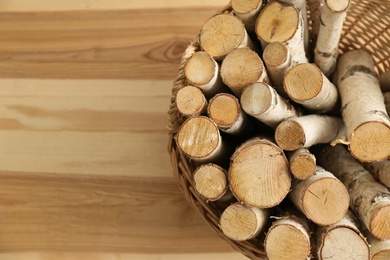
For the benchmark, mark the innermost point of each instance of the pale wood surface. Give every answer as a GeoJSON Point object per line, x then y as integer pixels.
{"type": "Point", "coordinates": [84, 90]}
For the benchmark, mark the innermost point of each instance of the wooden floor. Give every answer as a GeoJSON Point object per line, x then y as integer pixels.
{"type": "Point", "coordinates": [84, 90]}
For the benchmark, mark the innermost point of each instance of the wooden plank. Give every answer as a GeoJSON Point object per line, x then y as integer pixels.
{"type": "Point", "coordinates": [120, 44]}
{"type": "Point", "coordinates": [71, 5]}
{"type": "Point", "coordinates": [99, 214]}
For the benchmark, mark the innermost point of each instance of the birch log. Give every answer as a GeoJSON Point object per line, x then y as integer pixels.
{"type": "Point", "coordinates": [211, 182]}
{"type": "Point", "coordinates": [387, 102]}
{"type": "Point", "coordinates": [322, 197]}
{"type": "Point", "coordinates": [342, 240]}
{"type": "Point", "coordinates": [247, 11]}
{"type": "Point", "coordinates": [315, 11]}
{"type": "Point", "coordinates": [302, 163]}
{"type": "Point", "coordinates": [370, 200]}
{"type": "Point", "coordinates": [199, 139]}
{"type": "Point", "coordinates": [223, 33]}
{"type": "Point", "coordinates": [363, 108]}
{"type": "Point", "coordinates": [225, 110]}
{"type": "Point", "coordinates": [203, 71]}
{"type": "Point", "coordinates": [259, 174]}
{"type": "Point", "coordinates": [262, 102]}
{"type": "Point", "coordinates": [307, 85]}
{"type": "Point", "coordinates": [190, 101]}
{"type": "Point", "coordinates": [241, 68]}
{"type": "Point", "coordinates": [288, 238]}
{"type": "Point", "coordinates": [306, 131]}
{"type": "Point", "coordinates": [326, 52]}
{"type": "Point", "coordinates": [301, 5]}
{"type": "Point", "coordinates": [240, 222]}
{"type": "Point", "coordinates": [380, 170]}
{"type": "Point", "coordinates": [384, 80]}
{"type": "Point", "coordinates": [380, 249]}
{"type": "Point", "coordinates": [277, 59]}
{"type": "Point", "coordinates": [283, 23]}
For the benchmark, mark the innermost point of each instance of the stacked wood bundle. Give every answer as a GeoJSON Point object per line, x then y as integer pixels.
{"type": "Point", "coordinates": [327, 195]}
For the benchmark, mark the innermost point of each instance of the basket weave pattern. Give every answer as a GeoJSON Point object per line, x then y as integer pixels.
{"type": "Point", "coordinates": [367, 26]}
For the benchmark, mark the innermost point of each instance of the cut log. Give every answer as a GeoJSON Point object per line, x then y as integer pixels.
{"type": "Point", "coordinates": [283, 23]}
{"type": "Point", "coordinates": [241, 68]}
{"type": "Point", "coordinates": [307, 85]}
{"type": "Point", "coordinates": [199, 139]}
{"type": "Point", "coordinates": [211, 182]}
{"type": "Point", "coordinates": [363, 108]}
{"type": "Point", "coordinates": [262, 102]}
{"type": "Point", "coordinates": [277, 59]}
{"type": "Point", "coordinates": [384, 80]}
{"type": "Point", "coordinates": [342, 240]}
{"type": "Point", "coordinates": [326, 52]}
{"type": "Point", "coordinates": [322, 197]}
{"type": "Point", "coordinates": [247, 11]}
{"type": "Point", "coordinates": [380, 170]}
{"type": "Point", "coordinates": [306, 131]}
{"type": "Point", "coordinates": [302, 163]}
{"type": "Point", "coordinates": [315, 11]}
{"type": "Point", "coordinates": [380, 249]}
{"type": "Point", "coordinates": [225, 110]}
{"type": "Point", "coordinates": [240, 222]}
{"type": "Point", "coordinates": [223, 33]}
{"type": "Point", "coordinates": [203, 71]}
{"type": "Point", "coordinates": [387, 102]}
{"type": "Point", "coordinates": [370, 200]}
{"type": "Point", "coordinates": [259, 175]}
{"type": "Point", "coordinates": [288, 238]}
{"type": "Point", "coordinates": [190, 101]}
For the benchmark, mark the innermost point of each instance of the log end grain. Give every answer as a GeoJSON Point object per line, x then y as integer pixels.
{"type": "Point", "coordinates": [200, 69]}
{"type": "Point", "coordinates": [338, 5]}
{"type": "Point", "coordinates": [382, 255]}
{"type": "Point", "coordinates": [290, 135]}
{"type": "Point", "coordinates": [277, 23]}
{"type": "Point", "coordinates": [303, 165]}
{"type": "Point", "coordinates": [275, 54]}
{"type": "Point", "coordinates": [303, 82]}
{"type": "Point", "coordinates": [343, 243]}
{"type": "Point", "coordinates": [371, 142]}
{"type": "Point", "coordinates": [199, 138]}
{"type": "Point", "coordinates": [285, 242]}
{"type": "Point", "coordinates": [380, 222]}
{"type": "Point", "coordinates": [245, 6]}
{"type": "Point", "coordinates": [190, 101]}
{"type": "Point", "coordinates": [210, 181]}
{"type": "Point", "coordinates": [221, 34]}
{"type": "Point", "coordinates": [256, 99]}
{"type": "Point", "coordinates": [325, 201]}
{"type": "Point", "coordinates": [224, 110]}
{"type": "Point", "coordinates": [239, 222]}
{"type": "Point", "coordinates": [241, 68]}
{"type": "Point", "coordinates": [259, 175]}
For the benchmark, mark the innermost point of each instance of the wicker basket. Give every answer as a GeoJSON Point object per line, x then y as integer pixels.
{"type": "Point", "coordinates": [367, 26]}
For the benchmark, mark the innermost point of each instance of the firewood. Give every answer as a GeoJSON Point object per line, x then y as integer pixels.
{"type": "Point", "coordinates": [288, 238]}
{"type": "Point", "coordinates": [225, 110]}
{"type": "Point", "coordinates": [315, 11]}
{"type": "Point", "coordinates": [240, 222]}
{"type": "Point", "coordinates": [302, 163]}
{"type": "Point", "coordinates": [190, 101]}
{"type": "Point", "coordinates": [223, 33]}
{"type": "Point", "coordinates": [241, 68]}
{"type": "Point", "coordinates": [326, 52]}
{"type": "Point", "coordinates": [200, 140]}
{"type": "Point", "coordinates": [322, 197]}
{"type": "Point", "coordinates": [384, 80]}
{"type": "Point", "coordinates": [203, 71]}
{"type": "Point", "coordinates": [247, 11]}
{"type": "Point", "coordinates": [387, 102]}
{"type": "Point", "coordinates": [306, 131]}
{"type": "Point", "coordinates": [283, 23]}
{"type": "Point", "coordinates": [259, 174]}
{"type": "Point", "coordinates": [380, 249]}
{"type": "Point", "coordinates": [307, 85]}
{"type": "Point", "coordinates": [363, 108]}
{"type": "Point", "coordinates": [277, 59]}
{"type": "Point", "coordinates": [211, 182]}
{"type": "Point", "coordinates": [380, 170]}
{"type": "Point", "coordinates": [370, 200]}
{"type": "Point", "coordinates": [262, 102]}
{"type": "Point", "coordinates": [342, 240]}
